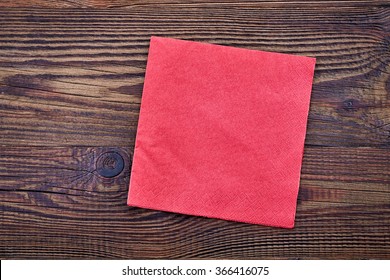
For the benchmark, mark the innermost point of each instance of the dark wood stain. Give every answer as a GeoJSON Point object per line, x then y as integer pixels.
{"type": "Point", "coordinates": [71, 79]}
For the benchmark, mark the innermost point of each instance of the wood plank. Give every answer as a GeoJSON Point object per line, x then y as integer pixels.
{"type": "Point", "coordinates": [54, 204]}
{"type": "Point", "coordinates": [73, 77]}
{"type": "Point", "coordinates": [131, 3]}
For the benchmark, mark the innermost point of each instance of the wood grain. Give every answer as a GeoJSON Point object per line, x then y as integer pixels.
{"type": "Point", "coordinates": [62, 208]}
{"type": "Point", "coordinates": [202, 3]}
{"type": "Point", "coordinates": [77, 74]}
{"type": "Point", "coordinates": [70, 89]}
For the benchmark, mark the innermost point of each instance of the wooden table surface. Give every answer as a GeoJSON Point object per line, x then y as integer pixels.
{"type": "Point", "coordinates": [71, 78]}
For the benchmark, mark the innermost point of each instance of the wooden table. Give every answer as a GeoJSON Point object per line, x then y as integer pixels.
{"type": "Point", "coordinates": [71, 77]}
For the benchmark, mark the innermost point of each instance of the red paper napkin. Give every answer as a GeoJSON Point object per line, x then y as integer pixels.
{"type": "Point", "coordinates": [221, 132]}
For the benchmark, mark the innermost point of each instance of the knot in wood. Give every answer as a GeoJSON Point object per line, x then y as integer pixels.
{"type": "Point", "coordinates": [109, 164]}
{"type": "Point", "coordinates": [351, 105]}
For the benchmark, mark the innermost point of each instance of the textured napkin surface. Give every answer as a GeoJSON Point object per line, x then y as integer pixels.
{"type": "Point", "coordinates": [221, 132]}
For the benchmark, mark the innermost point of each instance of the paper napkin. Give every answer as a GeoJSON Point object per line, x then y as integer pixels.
{"type": "Point", "coordinates": [221, 132]}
